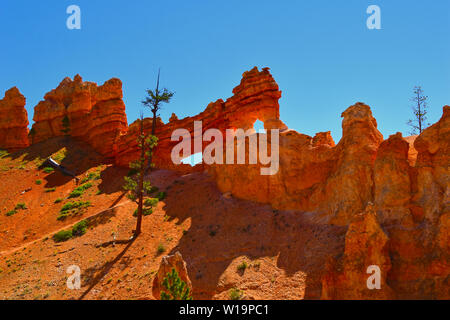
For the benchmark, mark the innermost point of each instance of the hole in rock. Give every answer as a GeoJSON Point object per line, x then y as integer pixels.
{"type": "Point", "coordinates": [193, 159]}
{"type": "Point", "coordinates": [259, 127]}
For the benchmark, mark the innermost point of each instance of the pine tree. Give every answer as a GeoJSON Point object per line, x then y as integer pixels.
{"type": "Point", "coordinates": [134, 183]}
{"type": "Point", "coordinates": [154, 100]}
{"type": "Point", "coordinates": [175, 288]}
{"type": "Point", "coordinates": [65, 125]}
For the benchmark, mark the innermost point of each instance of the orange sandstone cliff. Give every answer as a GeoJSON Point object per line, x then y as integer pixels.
{"type": "Point", "coordinates": [95, 114]}
{"type": "Point", "coordinates": [255, 98]}
{"type": "Point", "coordinates": [393, 194]}
{"type": "Point", "coordinates": [13, 121]}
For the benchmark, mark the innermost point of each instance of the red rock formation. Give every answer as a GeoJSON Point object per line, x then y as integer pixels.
{"type": "Point", "coordinates": [96, 114]}
{"type": "Point", "coordinates": [13, 121]}
{"type": "Point", "coordinates": [255, 98]}
{"type": "Point", "coordinates": [366, 245]}
{"type": "Point", "coordinates": [315, 175]}
{"type": "Point", "coordinates": [167, 264]}
{"type": "Point", "coordinates": [407, 179]}
{"type": "Point", "coordinates": [412, 203]}
{"type": "Point", "coordinates": [418, 226]}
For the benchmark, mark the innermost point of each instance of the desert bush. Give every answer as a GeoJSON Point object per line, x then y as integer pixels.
{"type": "Point", "coordinates": [80, 228]}
{"type": "Point", "coordinates": [62, 236]}
{"type": "Point", "coordinates": [48, 170]}
{"type": "Point", "coordinates": [91, 177]}
{"type": "Point", "coordinates": [20, 206]}
{"type": "Point", "coordinates": [38, 182]}
{"type": "Point", "coordinates": [242, 266]}
{"type": "Point", "coordinates": [78, 192]}
{"type": "Point", "coordinates": [145, 212]}
{"type": "Point", "coordinates": [77, 230]}
{"type": "Point", "coordinates": [161, 249]}
{"type": "Point", "coordinates": [11, 213]}
{"type": "Point", "coordinates": [161, 195]}
{"type": "Point", "coordinates": [151, 202]}
{"type": "Point", "coordinates": [4, 153]}
{"type": "Point", "coordinates": [72, 208]}
{"type": "Point", "coordinates": [60, 155]}
{"type": "Point", "coordinates": [235, 294]}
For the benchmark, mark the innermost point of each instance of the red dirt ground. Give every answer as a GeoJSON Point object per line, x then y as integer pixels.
{"type": "Point", "coordinates": [284, 251]}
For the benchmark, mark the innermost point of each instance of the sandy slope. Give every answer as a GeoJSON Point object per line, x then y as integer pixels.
{"type": "Point", "coordinates": [285, 251]}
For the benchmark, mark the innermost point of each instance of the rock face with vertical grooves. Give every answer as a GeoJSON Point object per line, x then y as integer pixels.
{"type": "Point", "coordinates": [95, 114]}
{"type": "Point", "coordinates": [366, 254]}
{"type": "Point", "coordinates": [13, 121]}
{"type": "Point", "coordinates": [255, 98]}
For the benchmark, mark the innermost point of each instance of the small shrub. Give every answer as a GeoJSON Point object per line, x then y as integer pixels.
{"type": "Point", "coordinates": [48, 169]}
{"type": "Point", "coordinates": [161, 195]}
{"type": "Point", "coordinates": [75, 194]}
{"type": "Point", "coordinates": [58, 200]}
{"type": "Point", "coordinates": [72, 208]}
{"type": "Point", "coordinates": [62, 216]}
{"type": "Point", "coordinates": [161, 249]}
{"type": "Point", "coordinates": [151, 202]}
{"type": "Point", "coordinates": [145, 212]}
{"type": "Point", "coordinates": [91, 176]}
{"type": "Point", "coordinates": [80, 228]}
{"type": "Point", "coordinates": [38, 182]}
{"type": "Point", "coordinates": [60, 155]}
{"type": "Point", "coordinates": [3, 153]}
{"type": "Point", "coordinates": [235, 294]}
{"type": "Point", "coordinates": [50, 190]}
{"type": "Point", "coordinates": [78, 192]}
{"type": "Point", "coordinates": [20, 206]}
{"type": "Point", "coordinates": [242, 266]}
{"type": "Point", "coordinates": [11, 213]}
{"type": "Point", "coordinates": [62, 236]}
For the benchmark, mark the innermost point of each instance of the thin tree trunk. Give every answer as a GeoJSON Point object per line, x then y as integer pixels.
{"type": "Point", "coordinates": [420, 113]}
{"type": "Point", "coordinates": [141, 183]}
{"type": "Point", "coordinates": [154, 121]}
{"type": "Point", "coordinates": [150, 158]}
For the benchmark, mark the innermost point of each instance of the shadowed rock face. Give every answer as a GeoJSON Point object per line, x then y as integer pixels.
{"type": "Point", "coordinates": [366, 245]}
{"type": "Point", "coordinates": [13, 121]}
{"type": "Point", "coordinates": [405, 231]}
{"type": "Point", "coordinates": [96, 114]}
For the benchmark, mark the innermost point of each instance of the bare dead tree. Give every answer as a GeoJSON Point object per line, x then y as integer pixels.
{"type": "Point", "coordinates": [420, 110]}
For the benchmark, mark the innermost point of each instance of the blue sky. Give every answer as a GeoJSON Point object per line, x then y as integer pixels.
{"type": "Point", "coordinates": [320, 52]}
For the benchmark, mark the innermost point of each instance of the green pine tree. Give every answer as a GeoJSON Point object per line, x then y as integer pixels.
{"type": "Point", "coordinates": [134, 183]}
{"type": "Point", "coordinates": [65, 125]}
{"type": "Point", "coordinates": [175, 288]}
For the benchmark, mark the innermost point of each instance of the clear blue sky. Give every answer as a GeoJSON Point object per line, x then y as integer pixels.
{"type": "Point", "coordinates": [320, 52]}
